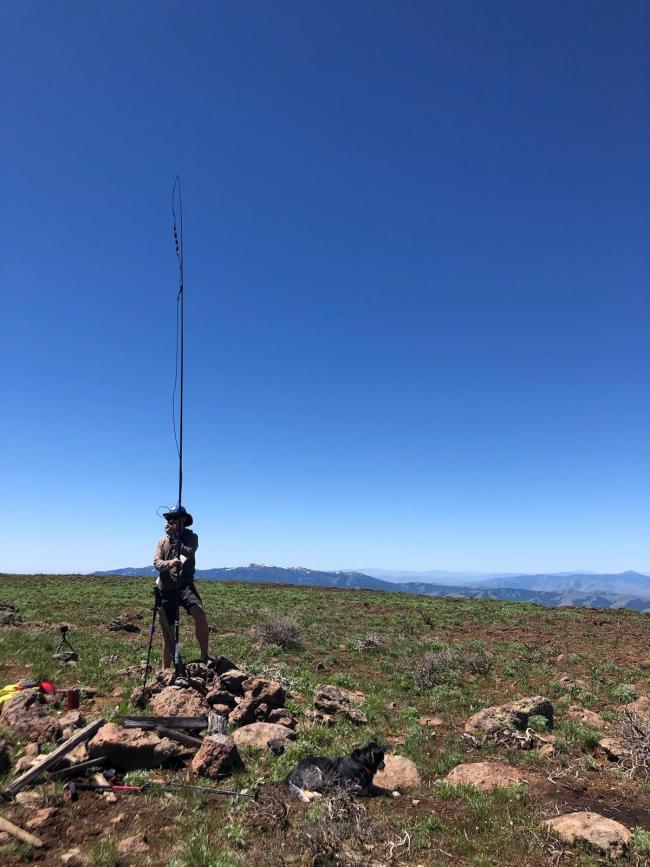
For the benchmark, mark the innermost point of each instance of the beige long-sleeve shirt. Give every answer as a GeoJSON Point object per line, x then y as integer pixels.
{"type": "Point", "coordinates": [165, 554]}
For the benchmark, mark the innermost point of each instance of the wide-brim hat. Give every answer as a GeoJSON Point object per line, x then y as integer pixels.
{"type": "Point", "coordinates": [179, 513]}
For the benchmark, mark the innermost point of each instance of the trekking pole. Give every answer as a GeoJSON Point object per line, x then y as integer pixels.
{"type": "Point", "coordinates": [156, 602]}
{"type": "Point", "coordinates": [73, 788]}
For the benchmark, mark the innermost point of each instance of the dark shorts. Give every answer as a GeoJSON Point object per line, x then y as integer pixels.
{"type": "Point", "coordinates": [189, 597]}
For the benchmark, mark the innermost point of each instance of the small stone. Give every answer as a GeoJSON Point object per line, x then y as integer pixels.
{"type": "Point", "coordinates": [23, 764]}
{"type": "Point", "coordinates": [117, 819]}
{"type": "Point", "coordinates": [317, 716]}
{"type": "Point", "coordinates": [74, 858]}
{"type": "Point", "coordinates": [608, 836]}
{"type": "Point", "coordinates": [41, 818]}
{"type": "Point", "coordinates": [30, 799]}
{"type": "Point", "coordinates": [135, 845]}
{"type": "Point", "coordinates": [431, 722]}
{"type": "Point", "coordinates": [568, 681]}
{"type": "Point", "coordinates": [31, 750]}
{"type": "Point", "coordinates": [283, 717]}
{"type": "Point", "coordinates": [73, 719]}
{"type": "Point", "coordinates": [78, 754]}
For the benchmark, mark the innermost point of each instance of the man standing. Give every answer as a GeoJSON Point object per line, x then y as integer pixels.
{"type": "Point", "coordinates": [176, 565]}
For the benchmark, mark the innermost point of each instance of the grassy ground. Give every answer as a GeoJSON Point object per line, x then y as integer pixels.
{"type": "Point", "coordinates": [448, 657]}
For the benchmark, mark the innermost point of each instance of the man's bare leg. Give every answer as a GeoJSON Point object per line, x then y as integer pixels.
{"type": "Point", "coordinates": [168, 639]}
{"type": "Point", "coordinates": [201, 629]}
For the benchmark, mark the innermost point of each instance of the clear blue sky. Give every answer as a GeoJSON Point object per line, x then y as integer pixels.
{"type": "Point", "coordinates": [417, 268]}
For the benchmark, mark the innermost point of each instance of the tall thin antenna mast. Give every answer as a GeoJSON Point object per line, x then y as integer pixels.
{"type": "Point", "coordinates": [178, 240]}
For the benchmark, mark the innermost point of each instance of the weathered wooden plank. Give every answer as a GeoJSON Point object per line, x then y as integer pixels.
{"type": "Point", "coordinates": [181, 737]}
{"type": "Point", "coordinates": [79, 768]}
{"type": "Point", "coordinates": [51, 759]}
{"type": "Point", "coordinates": [15, 831]}
{"type": "Point", "coordinates": [170, 722]}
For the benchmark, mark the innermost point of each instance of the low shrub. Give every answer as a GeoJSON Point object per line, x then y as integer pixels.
{"type": "Point", "coordinates": [275, 629]}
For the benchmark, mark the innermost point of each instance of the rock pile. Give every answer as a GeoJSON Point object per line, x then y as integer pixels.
{"type": "Point", "coordinates": [219, 686]}
{"type": "Point", "coordinates": [213, 692]}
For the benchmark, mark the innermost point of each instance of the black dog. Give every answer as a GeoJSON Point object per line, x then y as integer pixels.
{"type": "Point", "coordinates": [317, 774]}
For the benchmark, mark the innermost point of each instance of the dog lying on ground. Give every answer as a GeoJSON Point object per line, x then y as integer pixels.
{"type": "Point", "coordinates": [315, 775]}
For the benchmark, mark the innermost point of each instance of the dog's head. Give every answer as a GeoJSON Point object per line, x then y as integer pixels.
{"type": "Point", "coordinates": [372, 756]}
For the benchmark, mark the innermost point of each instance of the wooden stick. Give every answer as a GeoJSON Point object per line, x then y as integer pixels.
{"type": "Point", "coordinates": [170, 722]}
{"type": "Point", "coordinates": [15, 831]}
{"type": "Point", "coordinates": [79, 768]}
{"type": "Point", "coordinates": [50, 759]}
{"type": "Point", "coordinates": [181, 737]}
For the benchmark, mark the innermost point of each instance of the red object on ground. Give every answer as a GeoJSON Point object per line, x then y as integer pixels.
{"type": "Point", "coordinates": [48, 687]}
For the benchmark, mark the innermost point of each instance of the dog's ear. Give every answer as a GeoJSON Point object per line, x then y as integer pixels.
{"type": "Point", "coordinates": [358, 754]}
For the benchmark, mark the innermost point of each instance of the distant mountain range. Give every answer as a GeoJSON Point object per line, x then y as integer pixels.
{"type": "Point", "coordinates": [624, 590]}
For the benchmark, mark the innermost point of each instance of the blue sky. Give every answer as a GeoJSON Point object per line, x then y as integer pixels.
{"type": "Point", "coordinates": [416, 269]}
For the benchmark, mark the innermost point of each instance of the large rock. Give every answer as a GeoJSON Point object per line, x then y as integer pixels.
{"type": "Point", "coordinates": [233, 680]}
{"type": "Point", "coordinates": [331, 699]}
{"type": "Point", "coordinates": [265, 691]}
{"type": "Point", "coordinates": [26, 715]}
{"type": "Point", "coordinates": [587, 718]}
{"type": "Point", "coordinates": [514, 715]}
{"type": "Point", "coordinates": [640, 708]}
{"type": "Point", "coordinates": [244, 712]}
{"type": "Point", "coordinates": [216, 757]}
{"type": "Point", "coordinates": [399, 773]}
{"type": "Point", "coordinates": [179, 702]}
{"type": "Point", "coordinates": [220, 697]}
{"type": "Point", "coordinates": [615, 749]}
{"type": "Point", "coordinates": [608, 836]}
{"type": "Point", "coordinates": [131, 749]}
{"type": "Point", "coordinates": [485, 776]}
{"type": "Point", "coordinates": [263, 735]}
